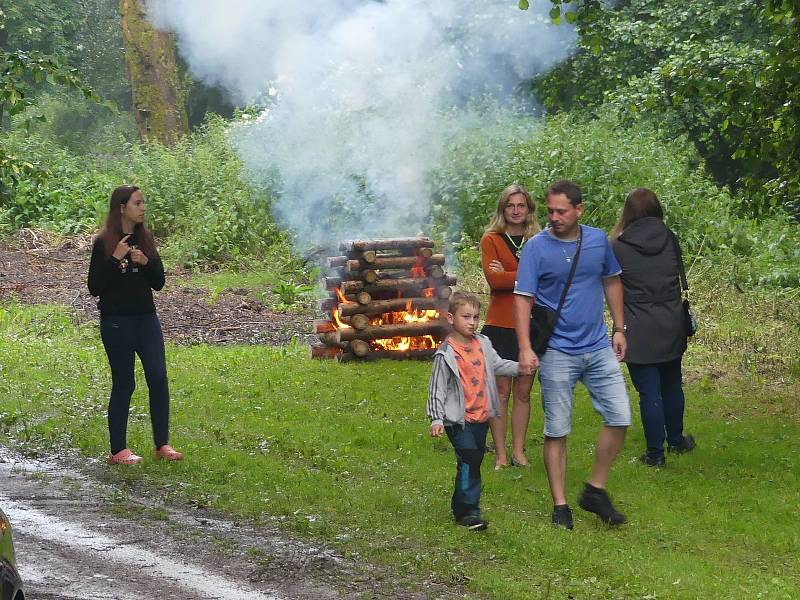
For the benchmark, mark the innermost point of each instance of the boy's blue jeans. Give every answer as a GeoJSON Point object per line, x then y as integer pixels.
{"type": "Point", "coordinates": [469, 443]}
{"type": "Point", "coordinates": [661, 403]}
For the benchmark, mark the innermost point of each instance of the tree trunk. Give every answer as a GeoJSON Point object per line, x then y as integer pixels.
{"type": "Point", "coordinates": [158, 102]}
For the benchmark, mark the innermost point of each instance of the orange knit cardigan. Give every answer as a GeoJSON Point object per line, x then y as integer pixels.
{"type": "Point", "coordinates": [501, 303]}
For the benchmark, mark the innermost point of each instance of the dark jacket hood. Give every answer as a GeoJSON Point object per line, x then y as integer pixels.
{"type": "Point", "coordinates": [647, 236]}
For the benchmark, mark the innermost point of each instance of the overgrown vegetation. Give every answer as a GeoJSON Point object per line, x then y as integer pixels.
{"type": "Point", "coordinates": [727, 74]}
{"type": "Point", "coordinates": [608, 158]}
{"type": "Point", "coordinates": [198, 202]}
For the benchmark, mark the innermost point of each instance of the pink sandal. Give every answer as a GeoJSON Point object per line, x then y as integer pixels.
{"type": "Point", "coordinates": [124, 457]}
{"type": "Point", "coordinates": [167, 452]}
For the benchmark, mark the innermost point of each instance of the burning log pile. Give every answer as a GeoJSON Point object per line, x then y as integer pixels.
{"type": "Point", "coordinates": [387, 299]}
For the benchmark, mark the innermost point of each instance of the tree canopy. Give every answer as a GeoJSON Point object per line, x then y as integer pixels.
{"type": "Point", "coordinates": [727, 74]}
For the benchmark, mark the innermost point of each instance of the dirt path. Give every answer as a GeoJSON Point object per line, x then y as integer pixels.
{"type": "Point", "coordinates": [34, 271]}
{"type": "Point", "coordinates": [79, 539]}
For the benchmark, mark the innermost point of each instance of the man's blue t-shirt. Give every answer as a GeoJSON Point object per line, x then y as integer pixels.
{"type": "Point", "coordinates": [544, 266]}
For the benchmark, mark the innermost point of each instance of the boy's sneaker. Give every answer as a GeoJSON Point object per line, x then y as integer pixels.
{"type": "Point", "coordinates": [562, 516]}
{"type": "Point", "coordinates": [687, 444]}
{"type": "Point", "coordinates": [648, 460]}
{"type": "Point", "coordinates": [473, 523]}
{"type": "Point", "coordinates": [596, 500]}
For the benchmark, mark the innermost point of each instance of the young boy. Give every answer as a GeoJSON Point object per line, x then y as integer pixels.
{"type": "Point", "coordinates": [462, 395]}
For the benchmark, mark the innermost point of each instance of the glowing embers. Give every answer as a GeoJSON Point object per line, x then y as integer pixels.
{"type": "Point", "coordinates": [387, 299]}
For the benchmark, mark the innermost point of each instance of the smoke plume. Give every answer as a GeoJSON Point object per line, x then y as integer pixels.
{"type": "Point", "coordinates": [363, 96]}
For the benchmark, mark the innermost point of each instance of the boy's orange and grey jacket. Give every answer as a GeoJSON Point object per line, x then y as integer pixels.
{"type": "Point", "coordinates": [446, 405]}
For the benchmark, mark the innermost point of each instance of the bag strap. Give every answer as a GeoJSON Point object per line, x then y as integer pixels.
{"type": "Point", "coordinates": [681, 271]}
{"type": "Point", "coordinates": [571, 273]}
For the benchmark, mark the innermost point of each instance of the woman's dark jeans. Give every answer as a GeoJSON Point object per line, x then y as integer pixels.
{"type": "Point", "coordinates": [661, 404]}
{"type": "Point", "coordinates": [123, 338]}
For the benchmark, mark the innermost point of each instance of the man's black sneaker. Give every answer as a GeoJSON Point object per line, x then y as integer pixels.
{"type": "Point", "coordinates": [562, 517]}
{"type": "Point", "coordinates": [473, 523]}
{"type": "Point", "coordinates": [596, 500]}
{"type": "Point", "coordinates": [648, 460]}
{"type": "Point", "coordinates": [687, 444]}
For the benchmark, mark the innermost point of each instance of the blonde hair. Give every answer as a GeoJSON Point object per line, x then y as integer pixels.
{"type": "Point", "coordinates": [498, 223]}
{"type": "Point", "coordinates": [463, 299]}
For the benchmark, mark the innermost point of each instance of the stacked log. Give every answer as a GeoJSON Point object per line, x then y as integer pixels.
{"type": "Point", "coordinates": [386, 299]}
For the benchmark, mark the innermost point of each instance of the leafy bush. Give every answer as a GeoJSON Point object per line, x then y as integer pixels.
{"type": "Point", "coordinates": [66, 196]}
{"type": "Point", "coordinates": [197, 201]}
{"type": "Point", "coordinates": [608, 158]}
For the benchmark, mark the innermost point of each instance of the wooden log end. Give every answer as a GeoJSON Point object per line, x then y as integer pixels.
{"type": "Point", "coordinates": [323, 352]}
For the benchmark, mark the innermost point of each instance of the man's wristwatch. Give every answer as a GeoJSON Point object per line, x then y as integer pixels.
{"type": "Point", "coordinates": [622, 329]}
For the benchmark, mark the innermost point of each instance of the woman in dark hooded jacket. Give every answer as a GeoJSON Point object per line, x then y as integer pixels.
{"type": "Point", "coordinates": [656, 330]}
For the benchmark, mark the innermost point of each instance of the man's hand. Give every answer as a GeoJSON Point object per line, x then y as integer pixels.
{"type": "Point", "coordinates": [620, 345]}
{"type": "Point", "coordinates": [437, 430]}
{"type": "Point", "coordinates": [528, 362]}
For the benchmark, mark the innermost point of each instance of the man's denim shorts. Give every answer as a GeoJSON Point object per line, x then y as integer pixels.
{"type": "Point", "coordinates": [601, 374]}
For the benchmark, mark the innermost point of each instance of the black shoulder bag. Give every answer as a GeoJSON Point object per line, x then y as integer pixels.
{"type": "Point", "coordinates": [689, 319]}
{"type": "Point", "coordinates": [543, 319]}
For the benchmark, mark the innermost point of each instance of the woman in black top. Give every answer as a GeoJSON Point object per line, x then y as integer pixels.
{"type": "Point", "coordinates": [656, 332]}
{"type": "Point", "coordinates": [124, 270]}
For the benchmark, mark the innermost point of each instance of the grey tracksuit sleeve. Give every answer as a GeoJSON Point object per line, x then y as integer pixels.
{"type": "Point", "coordinates": [437, 390]}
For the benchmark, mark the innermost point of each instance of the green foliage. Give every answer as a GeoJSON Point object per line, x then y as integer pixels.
{"type": "Point", "coordinates": [82, 126]}
{"type": "Point", "coordinates": [291, 294]}
{"type": "Point", "coordinates": [21, 72]}
{"type": "Point", "coordinates": [725, 73]}
{"type": "Point", "coordinates": [198, 200]}
{"type": "Point", "coordinates": [608, 158]}
{"type": "Point", "coordinates": [66, 196]}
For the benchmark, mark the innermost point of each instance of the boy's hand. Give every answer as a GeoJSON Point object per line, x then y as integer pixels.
{"type": "Point", "coordinates": [437, 430]}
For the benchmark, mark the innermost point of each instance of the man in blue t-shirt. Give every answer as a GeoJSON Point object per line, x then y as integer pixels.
{"type": "Point", "coordinates": [579, 349]}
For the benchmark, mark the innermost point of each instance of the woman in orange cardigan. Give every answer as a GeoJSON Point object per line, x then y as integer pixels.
{"type": "Point", "coordinates": [513, 222]}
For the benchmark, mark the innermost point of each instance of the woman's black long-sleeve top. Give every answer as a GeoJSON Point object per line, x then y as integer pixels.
{"type": "Point", "coordinates": [124, 291]}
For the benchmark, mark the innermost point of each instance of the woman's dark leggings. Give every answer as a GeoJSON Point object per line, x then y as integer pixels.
{"type": "Point", "coordinates": [124, 336]}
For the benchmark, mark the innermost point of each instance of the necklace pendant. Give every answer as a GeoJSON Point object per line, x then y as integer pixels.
{"type": "Point", "coordinates": [569, 260]}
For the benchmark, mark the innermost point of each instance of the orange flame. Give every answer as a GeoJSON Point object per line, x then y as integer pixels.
{"type": "Point", "coordinates": [418, 270]}
{"type": "Point", "coordinates": [335, 311]}
{"type": "Point", "coordinates": [423, 342]}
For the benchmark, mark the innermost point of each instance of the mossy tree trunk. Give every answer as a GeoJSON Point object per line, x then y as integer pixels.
{"type": "Point", "coordinates": [158, 102]}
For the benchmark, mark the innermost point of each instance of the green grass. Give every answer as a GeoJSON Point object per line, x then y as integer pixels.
{"type": "Point", "coordinates": [340, 452]}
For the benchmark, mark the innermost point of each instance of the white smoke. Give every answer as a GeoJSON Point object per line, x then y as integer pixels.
{"type": "Point", "coordinates": [361, 89]}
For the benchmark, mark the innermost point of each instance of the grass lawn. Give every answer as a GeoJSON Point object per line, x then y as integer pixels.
{"type": "Point", "coordinates": [340, 452]}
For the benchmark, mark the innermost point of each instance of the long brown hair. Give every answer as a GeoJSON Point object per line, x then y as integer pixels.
{"type": "Point", "coordinates": [641, 202]}
{"type": "Point", "coordinates": [112, 233]}
{"type": "Point", "coordinates": [498, 223]}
